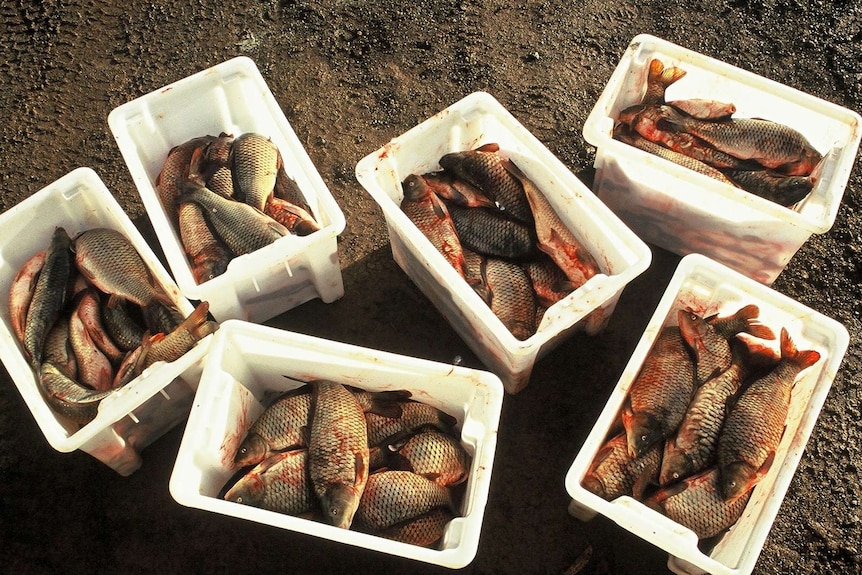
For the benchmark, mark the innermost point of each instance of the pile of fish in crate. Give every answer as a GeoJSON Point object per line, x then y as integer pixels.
{"type": "Point", "coordinates": [694, 449]}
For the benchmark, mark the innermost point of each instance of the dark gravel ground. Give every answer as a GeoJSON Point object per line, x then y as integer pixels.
{"type": "Point", "coordinates": [350, 75]}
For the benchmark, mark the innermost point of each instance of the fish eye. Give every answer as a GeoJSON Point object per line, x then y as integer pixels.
{"type": "Point", "coordinates": [333, 511]}
{"type": "Point", "coordinates": [243, 450]}
{"type": "Point", "coordinates": [239, 499]}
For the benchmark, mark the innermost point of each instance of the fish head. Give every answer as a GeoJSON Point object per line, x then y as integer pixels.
{"type": "Point", "coordinates": [415, 188]}
{"type": "Point", "coordinates": [642, 431]}
{"type": "Point", "coordinates": [674, 466]}
{"type": "Point", "coordinates": [339, 503]}
{"type": "Point", "coordinates": [248, 491]}
{"type": "Point", "coordinates": [736, 480]}
{"type": "Point", "coordinates": [251, 451]}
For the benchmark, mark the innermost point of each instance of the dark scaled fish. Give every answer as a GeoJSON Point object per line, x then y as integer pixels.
{"type": "Point", "coordinates": [280, 483]}
{"type": "Point", "coordinates": [49, 295]}
{"type": "Point", "coordinates": [287, 189]}
{"type": "Point", "coordinates": [779, 188]}
{"type": "Point", "coordinates": [208, 257]}
{"type": "Point", "coordinates": [614, 473]}
{"type": "Point", "coordinates": [21, 293]}
{"type": "Point", "coordinates": [338, 451]}
{"type": "Point", "coordinates": [424, 530]}
{"type": "Point", "coordinates": [392, 497]}
{"type": "Point", "coordinates": [437, 456]}
{"type": "Point", "coordinates": [254, 163]}
{"type": "Point", "coordinates": [457, 191]}
{"type": "Point", "coordinates": [549, 282]}
{"type": "Point", "coordinates": [281, 426]}
{"type": "Point", "coordinates": [490, 232]}
{"type": "Point", "coordinates": [242, 227]}
{"type": "Point", "coordinates": [769, 143]}
{"type": "Point", "coordinates": [89, 311]}
{"type": "Point", "coordinates": [696, 503]}
{"type": "Point", "coordinates": [512, 298]}
{"type": "Point", "coordinates": [473, 264]}
{"type": "Point", "coordinates": [694, 447]}
{"type": "Point", "coordinates": [110, 262]}
{"type": "Point", "coordinates": [755, 423]}
{"type": "Point", "coordinates": [659, 78]}
{"type": "Point", "coordinates": [175, 171]}
{"type": "Point", "coordinates": [433, 219]}
{"type": "Point", "coordinates": [414, 416]}
{"type": "Point", "coordinates": [123, 329]}
{"type": "Point", "coordinates": [487, 170]}
{"type": "Point", "coordinates": [68, 397]}
{"type": "Point", "coordinates": [58, 348]}
{"type": "Point", "coordinates": [660, 393]}
{"type": "Point", "coordinates": [554, 238]}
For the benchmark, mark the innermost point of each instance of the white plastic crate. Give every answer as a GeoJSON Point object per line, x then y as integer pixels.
{"type": "Point", "coordinates": [475, 120]}
{"type": "Point", "coordinates": [708, 287]}
{"type": "Point", "coordinates": [245, 368]}
{"type": "Point", "coordinates": [233, 97]}
{"type": "Point", "coordinates": [135, 415]}
{"type": "Point", "coordinates": [687, 212]}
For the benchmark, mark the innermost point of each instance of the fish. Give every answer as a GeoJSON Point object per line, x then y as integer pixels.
{"type": "Point", "coordinates": [282, 426]}
{"type": "Point", "coordinates": [172, 346]}
{"type": "Point", "coordinates": [614, 472]}
{"type": "Point", "coordinates": [89, 311]}
{"type": "Point", "coordinates": [220, 182]}
{"type": "Point", "coordinates": [486, 169]}
{"type": "Point", "coordinates": [415, 415]}
{"type": "Point", "coordinates": [745, 319]}
{"type": "Point", "coordinates": [512, 298]}
{"type": "Point", "coordinates": [704, 109]}
{"type": "Point", "coordinates": [243, 228]}
{"type": "Point", "coordinates": [659, 78]}
{"type": "Point", "coordinates": [208, 257]}
{"type": "Point", "coordinates": [392, 497]}
{"type": "Point", "coordinates": [457, 191]}
{"type": "Point", "coordinates": [431, 216]}
{"type": "Point", "coordinates": [338, 451]}
{"type": "Point", "coordinates": [279, 483]}
{"type": "Point", "coordinates": [437, 456]}
{"type": "Point", "coordinates": [771, 144]}
{"type": "Point", "coordinates": [218, 151]}
{"type": "Point", "coordinates": [756, 421]}
{"type": "Point", "coordinates": [94, 368]}
{"type": "Point", "coordinates": [697, 504]}
{"type": "Point", "coordinates": [132, 364]}
{"type": "Point", "coordinates": [555, 238]}
{"type": "Point", "coordinates": [473, 264]}
{"type": "Point", "coordinates": [694, 447]}
{"type": "Point", "coordinates": [49, 295]}
{"type": "Point", "coordinates": [21, 292]}
{"type": "Point", "coordinates": [775, 187]}
{"type": "Point", "coordinates": [122, 328]}
{"type": "Point", "coordinates": [650, 123]}
{"type": "Point", "coordinates": [287, 189]}
{"type": "Point", "coordinates": [424, 530]}
{"type": "Point", "coordinates": [632, 138]}
{"type": "Point", "coordinates": [68, 397]}
{"type": "Point", "coordinates": [175, 171]}
{"type": "Point", "coordinates": [491, 233]}
{"type": "Point", "coordinates": [111, 263]}
{"type": "Point", "coordinates": [58, 348]}
{"type": "Point", "coordinates": [296, 219]}
{"type": "Point", "coordinates": [660, 393]}
{"type": "Point", "coordinates": [254, 164]}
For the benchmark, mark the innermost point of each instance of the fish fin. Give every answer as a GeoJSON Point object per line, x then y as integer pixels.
{"type": "Point", "coordinates": [440, 209]}
{"type": "Point", "coordinates": [669, 491]}
{"type": "Point", "coordinates": [399, 463]}
{"type": "Point", "coordinates": [489, 147]}
{"type": "Point", "coordinates": [767, 465]}
{"type": "Point", "coordinates": [641, 484]}
{"type": "Point", "coordinates": [789, 352]}
{"type": "Point", "coordinates": [360, 466]}
{"type": "Point", "coordinates": [759, 330]}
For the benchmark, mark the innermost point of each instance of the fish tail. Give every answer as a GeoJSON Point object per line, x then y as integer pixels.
{"type": "Point", "coordinates": [196, 323]}
{"type": "Point", "coordinates": [789, 352]}
{"type": "Point", "coordinates": [749, 314]}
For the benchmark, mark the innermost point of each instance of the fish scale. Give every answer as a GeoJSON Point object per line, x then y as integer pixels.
{"type": "Point", "coordinates": [392, 497]}
{"type": "Point", "coordinates": [434, 455]}
{"type": "Point", "coordinates": [756, 422]}
{"type": "Point", "coordinates": [697, 504]}
{"type": "Point", "coordinates": [512, 297]}
{"type": "Point", "coordinates": [207, 256]}
{"type": "Point", "coordinates": [660, 393]}
{"type": "Point", "coordinates": [254, 161]}
{"type": "Point", "coordinates": [414, 416]}
{"type": "Point", "coordinates": [491, 233]}
{"type": "Point", "coordinates": [484, 168]}
{"type": "Point", "coordinates": [110, 262]}
{"type": "Point", "coordinates": [279, 427]}
{"type": "Point", "coordinates": [280, 483]}
{"type": "Point", "coordinates": [175, 171]}
{"type": "Point", "coordinates": [614, 473]}
{"type": "Point", "coordinates": [68, 397]}
{"type": "Point", "coordinates": [433, 219]}
{"type": "Point", "coordinates": [49, 295]}
{"type": "Point", "coordinates": [424, 530]}
{"type": "Point", "coordinates": [338, 451]}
